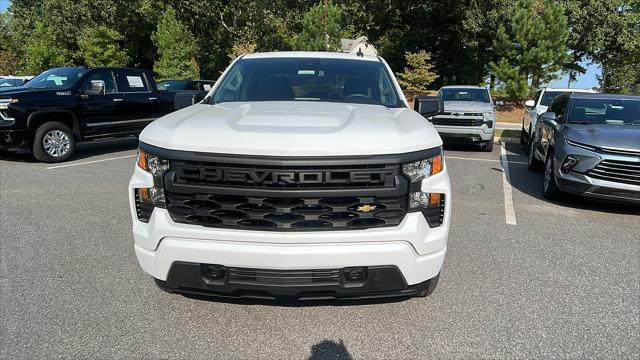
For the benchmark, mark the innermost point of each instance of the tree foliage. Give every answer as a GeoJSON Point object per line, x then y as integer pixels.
{"type": "Point", "coordinates": [418, 75]}
{"type": "Point", "coordinates": [43, 52]}
{"type": "Point", "coordinates": [176, 49]}
{"type": "Point", "coordinates": [100, 46]}
{"type": "Point", "coordinates": [532, 47]}
{"type": "Point", "coordinates": [321, 29]}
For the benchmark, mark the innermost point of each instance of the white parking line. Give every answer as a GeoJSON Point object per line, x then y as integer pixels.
{"type": "Point", "coordinates": [490, 160]}
{"type": "Point", "coordinates": [509, 212]}
{"type": "Point", "coordinates": [90, 162]}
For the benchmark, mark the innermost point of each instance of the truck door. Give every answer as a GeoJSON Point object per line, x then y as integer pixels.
{"type": "Point", "coordinates": [141, 101]}
{"type": "Point", "coordinates": [99, 111]}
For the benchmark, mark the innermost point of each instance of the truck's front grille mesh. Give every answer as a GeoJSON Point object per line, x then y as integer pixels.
{"type": "Point", "coordinates": [626, 172]}
{"type": "Point", "coordinates": [247, 276]}
{"type": "Point", "coordinates": [457, 121]}
{"type": "Point", "coordinates": [286, 213]}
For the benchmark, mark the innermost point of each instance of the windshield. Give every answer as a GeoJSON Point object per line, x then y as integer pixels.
{"type": "Point", "coordinates": [61, 78]}
{"type": "Point", "coordinates": [172, 85]}
{"type": "Point", "coordinates": [548, 97]}
{"type": "Point", "coordinates": [308, 79]}
{"type": "Point", "coordinates": [605, 111]}
{"type": "Point", "coordinates": [465, 94]}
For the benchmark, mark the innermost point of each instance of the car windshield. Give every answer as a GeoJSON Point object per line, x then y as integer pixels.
{"type": "Point", "coordinates": [308, 79]}
{"type": "Point", "coordinates": [465, 94]}
{"type": "Point", "coordinates": [61, 78]}
{"type": "Point", "coordinates": [172, 85]}
{"type": "Point", "coordinates": [605, 111]}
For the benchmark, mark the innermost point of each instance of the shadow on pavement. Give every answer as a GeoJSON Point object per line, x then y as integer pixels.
{"type": "Point", "coordinates": [530, 183]}
{"type": "Point", "coordinates": [83, 151]}
{"type": "Point", "coordinates": [284, 302]}
{"type": "Point", "coordinates": [328, 349]}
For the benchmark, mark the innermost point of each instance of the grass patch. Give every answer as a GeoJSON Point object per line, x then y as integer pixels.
{"type": "Point", "coordinates": [507, 133]}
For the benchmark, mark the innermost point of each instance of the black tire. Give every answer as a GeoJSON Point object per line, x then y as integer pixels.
{"type": "Point", "coordinates": [162, 285]}
{"type": "Point", "coordinates": [489, 146]}
{"type": "Point", "coordinates": [523, 141]}
{"type": "Point", "coordinates": [533, 163]}
{"type": "Point", "coordinates": [431, 287]}
{"type": "Point", "coordinates": [53, 142]}
{"type": "Point", "coordinates": [550, 189]}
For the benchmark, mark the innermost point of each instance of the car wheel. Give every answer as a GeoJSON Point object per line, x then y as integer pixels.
{"type": "Point", "coordinates": [53, 142]}
{"type": "Point", "coordinates": [489, 146]}
{"type": "Point", "coordinates": [550, 189]}
{"type": "Point", "coordinates": [533, 163]}
{"type": "Point", "coordinates": [431, 287]}
{"type": "Point", "coordinates": [523, 141]}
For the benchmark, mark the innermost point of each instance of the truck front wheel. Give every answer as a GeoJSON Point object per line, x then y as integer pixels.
{"type": "Point", "coordinates": [53, 142]}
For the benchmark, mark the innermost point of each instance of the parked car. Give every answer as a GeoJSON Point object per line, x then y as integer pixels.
{"type": "Point", "coordinates": [195, 85]}
{"type": "Point", "coordinates": [589, 144]}
{"type": "Point", "coordinates": [534, 108]}
{"type": "Point", "coordinates": [187, 92]}
{"type": "Point", "coordinates": [13, 81]}
{"type": "Point", "coordinates": [61, 106]}
{"type": "Point", "coordinates": [469, 116]}
{"type": "Point", "coordinates": [302, 174]}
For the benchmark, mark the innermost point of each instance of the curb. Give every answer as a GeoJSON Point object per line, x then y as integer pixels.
{"type": "Point", "coordinates": [508, 140]}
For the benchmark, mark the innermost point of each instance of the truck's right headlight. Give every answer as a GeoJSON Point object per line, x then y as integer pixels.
{"type": "Point", "coordinates": [430, 204]}
{"type": "Point", "coordinates": [147, 198]}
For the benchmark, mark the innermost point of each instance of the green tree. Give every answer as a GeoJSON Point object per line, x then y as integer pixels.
{"type": "Point", "coordinates": [43, 52]}
{"type": "Point", "coordinates": [176, 49]}
{"type": "Point", "coordinates": [100, 46]}
{"type": "Point", "coordinates": [533, 46]}
{"type": "Point", "coordinates": [321, 30]}
{"type": "Point", "coordinates": [418, 74]}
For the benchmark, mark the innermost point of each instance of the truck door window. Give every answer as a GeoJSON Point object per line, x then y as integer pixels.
{"type": "Point", "coordinates": [104, 75]}
{"type": "Point", "coordinates": [132, 81]}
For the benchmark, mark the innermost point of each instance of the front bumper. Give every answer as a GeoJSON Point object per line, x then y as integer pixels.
{"type": "Point", "coordinates": [413, 248]}
{"type": "Point", "coordinates": [463, 134]}
{"type": "Point", "coordinates": [15, 139]}
{"type": "Point", "coordinates": [581, 184]}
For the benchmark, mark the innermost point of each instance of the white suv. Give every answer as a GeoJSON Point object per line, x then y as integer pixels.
{"type": "Point", "coordinates": [537, 106]}
{"type": "Point", "coordinates": [300, 174]}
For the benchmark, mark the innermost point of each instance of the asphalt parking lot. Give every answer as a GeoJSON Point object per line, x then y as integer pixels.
{"type": "Point", "coordinates": [560, 280]}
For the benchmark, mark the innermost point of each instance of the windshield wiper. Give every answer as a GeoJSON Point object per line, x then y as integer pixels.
{"type": "Point", "coordinates": [583, 122]}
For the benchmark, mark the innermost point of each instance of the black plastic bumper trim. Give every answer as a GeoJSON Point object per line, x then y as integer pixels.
{"type": "Point", "coordinates": [380, 282]}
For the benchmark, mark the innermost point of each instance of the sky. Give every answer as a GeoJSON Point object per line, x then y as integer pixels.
{"type": "Point", "coordinates": [584, 81]}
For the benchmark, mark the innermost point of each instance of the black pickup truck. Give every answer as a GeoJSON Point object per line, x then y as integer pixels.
{"type": "Point", "coordinates": [61, 106]}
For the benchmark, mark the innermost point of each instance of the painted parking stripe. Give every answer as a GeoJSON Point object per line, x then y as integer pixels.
{"type": "Point", "coordinates": [509, 212]}
{"type": "Point", "coordinates": [490, 160]}
{"type": "Point", "coordinates": [90, 162]}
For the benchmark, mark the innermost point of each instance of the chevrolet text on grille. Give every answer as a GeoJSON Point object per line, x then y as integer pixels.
{"type": "Point", "coordinates": [291, 177]}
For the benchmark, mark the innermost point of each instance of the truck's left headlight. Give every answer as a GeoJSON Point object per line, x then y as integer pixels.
{"type": "Point", "coordinates": [148, 198]}
{"type": "Point", "coordinates": [430, 204]}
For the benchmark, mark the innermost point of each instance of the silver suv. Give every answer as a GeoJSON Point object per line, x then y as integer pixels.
{"type": "Point", "coordinates": [469, 116]}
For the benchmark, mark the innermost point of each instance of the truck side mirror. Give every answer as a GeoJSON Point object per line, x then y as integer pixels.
{"type": "Point", "coordinates": [428, 105]}
{"type": "Point", "coordinates": [187, 98]}
{"type": "Point", "coordinates": [97, 88]}
{"type": "Point", "coordinates": [530, 103]}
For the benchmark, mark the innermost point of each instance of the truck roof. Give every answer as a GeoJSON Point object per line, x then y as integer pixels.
{"type": "Point", "coordinates": [463, 87]}
{"type": "Point", "coordinates": [309, 54]}
{"type": "Point", "coordinates": [568, 90]}
{"type": "Point", "coordinates": [604, 96]}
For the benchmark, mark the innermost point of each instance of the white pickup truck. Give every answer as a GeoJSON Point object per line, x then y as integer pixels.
{"type": "Point", "coordinates": [302, 175]}
{"type": "Point", "coordinates": [534, 108]}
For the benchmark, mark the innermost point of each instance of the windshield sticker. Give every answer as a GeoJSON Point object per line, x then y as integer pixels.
{"type": "Point", "coordinates": [135, 81]}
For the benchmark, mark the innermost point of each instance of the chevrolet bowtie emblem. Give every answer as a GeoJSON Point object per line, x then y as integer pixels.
{"type": "Point", "coordinates": [365, 208]}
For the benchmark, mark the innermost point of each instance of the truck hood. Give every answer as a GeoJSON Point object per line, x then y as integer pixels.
{"type": "Point", "coordinates": [619, 137]}
{"type": "Point", "coordinates": [467, 106]}
{"type": "Point", "coordinates": [292, 129]}
{"type": "Point", "coordinates": [25, 90]}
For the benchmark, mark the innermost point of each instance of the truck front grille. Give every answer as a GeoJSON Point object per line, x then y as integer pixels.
{"type": "Point", "coordinates": [249, 276]}
{"type": "Point", "coordinates": [626, 172]}
{"type": "Point", "coordinates": [286, 213]}
{"type": "Point", "coordinates": [457, 121]}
